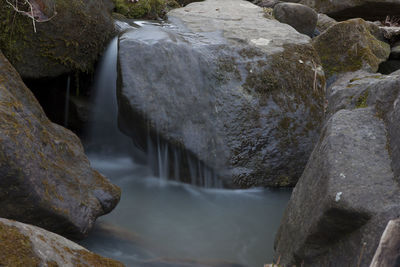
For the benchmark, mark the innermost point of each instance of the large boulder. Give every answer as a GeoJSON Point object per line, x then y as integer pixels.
{"type": "Point", "coordinates": [242, 93]}
{"type": "Point", "coordinates": [346, 9]}
{"type": "Point", "coordinates": [350, 187]}
{"type": "Point", "coordinates": [26, 245]}
{"type": "Point", "coordinates": [302, 18]}
{"type": "Point", "coordinates": [45, 177]}
{"type": "Point", "coordinates": [73, 34]}
{"type": "Point", "coordinates": [350, 46]}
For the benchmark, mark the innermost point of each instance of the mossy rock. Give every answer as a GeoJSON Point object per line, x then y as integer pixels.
{"type": "Point", "coordinates": [27, 245]}
{"type": "Point", "coordinates": [71, 40]}
{"type": "Point", "coordinates": [45, 177]}
{"type": "Point", "coordinates": [349, 46]}
{"type": "Point", "coordinates": [144, 9]}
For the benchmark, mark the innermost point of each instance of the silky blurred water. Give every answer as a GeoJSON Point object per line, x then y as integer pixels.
{"type": "Point", "coordinates": [182, 221]}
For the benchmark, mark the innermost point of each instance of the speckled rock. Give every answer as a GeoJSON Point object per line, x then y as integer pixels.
{"type": "Point", "coordinates": [350, 46]}
{"type": "Point", "coordinates": [26, 245]}
{"type": "Point", "coordinates": [301, 17]}
{"type": "Point", "coordinates": [233, 88]}
{"type": "Point", "coordinates": [71, 39]}
{"type": "Point", "coordinates": [324, 22]}
{"type": "Point", "coordinates": [349, 190]}
{"type": "Point", "coordinates": [346, 9]}
{"type": "Point", "coordinates": [45, 177]}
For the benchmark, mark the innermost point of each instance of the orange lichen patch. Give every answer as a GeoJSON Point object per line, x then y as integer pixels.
{"type": "Point", "coordinates": [87, 259]}
{"type": "Point", "coordinates": [16, 248]}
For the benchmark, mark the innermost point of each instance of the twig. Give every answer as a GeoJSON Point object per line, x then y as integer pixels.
{"type": "Point", "coordinates": [361, 254]}
{"type": "Point", "coordinates": [30, 13]}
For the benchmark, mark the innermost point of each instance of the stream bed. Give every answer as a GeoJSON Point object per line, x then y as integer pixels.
{"type": "Point", "coordinates": [161, 219]}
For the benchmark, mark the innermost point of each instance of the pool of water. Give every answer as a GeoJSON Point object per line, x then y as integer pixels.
{"type": "Point", "coordinates": [165, 219]}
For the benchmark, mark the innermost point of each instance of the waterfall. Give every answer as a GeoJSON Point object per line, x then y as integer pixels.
{"type": "Point", "coordinates": [103, 136]}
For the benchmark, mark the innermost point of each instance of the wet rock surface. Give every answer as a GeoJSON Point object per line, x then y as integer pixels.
{"type": "Point", "coordinates": [46, 179]}
{"type": "Point", "coordinates": [242, 93]}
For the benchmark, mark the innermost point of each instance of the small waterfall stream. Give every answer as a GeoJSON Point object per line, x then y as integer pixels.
{"type": "Point", "coordinates": [159, 218]}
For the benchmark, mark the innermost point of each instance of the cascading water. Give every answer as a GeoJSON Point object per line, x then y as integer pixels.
{"type": "Point", "coordinates": [159, 218]}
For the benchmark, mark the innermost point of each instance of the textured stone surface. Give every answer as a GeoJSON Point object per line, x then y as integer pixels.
{"type": "Point", "coordinates": [350, 46]}
{"type": "Point", "coordinates": [350, 187]}
{"type": "Point", "coordinates": [26, 245]}
{"type": "Point", "coordinates": [324, 22]}
{"type": "Point", "coordinates": [237, 91]}
{"type": "Point", "coordinates": [345, 196]}
{"type": "Point", "coordinates": [45, 177]}
{"type": "Point", "coordinates": [301, 17]}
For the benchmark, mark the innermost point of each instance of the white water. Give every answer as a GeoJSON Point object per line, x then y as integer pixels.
{"type": "Point", "coordinates": [160, 218]}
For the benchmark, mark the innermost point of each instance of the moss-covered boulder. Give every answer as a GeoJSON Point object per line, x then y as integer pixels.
{"type": "Point", "coordinates": [242, 93]}
{"type": "Point", "coordinates": [144, 9]}
{"type": "Point", "coordinates": [26, 245]}
{"type": "Point", "coordinates": [71, 39]}
{"type": "Point", "coordinates": [45, 177]}
{"type": "Point", "coordinates": [350, 46]}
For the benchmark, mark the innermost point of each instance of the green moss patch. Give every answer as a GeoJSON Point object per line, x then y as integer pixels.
{"type": "Point", "coordinates": [144, 9]}
{"type": "Point", "coordinates": [349, 46]}
{"type": "Point", "coordinates": [362, 100]}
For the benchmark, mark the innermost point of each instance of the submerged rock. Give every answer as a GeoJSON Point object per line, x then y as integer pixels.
{"type": "Point", "coordinates": [347, 9]}
{"type": "Point", "coordinates": [350, 46]}
{"type": "Point", "coordinates": [26, 245]}
{"type": "Point", "coordinates": [349, 189]}
{"type": "Point", "coordinates": [70, 38]}
{"type": "Point", "coordinates": [46, 179]}
{"type": "Point", "coordinates": [242, 93]}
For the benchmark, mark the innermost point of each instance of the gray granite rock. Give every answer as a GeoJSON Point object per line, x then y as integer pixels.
{"type": "Point", "coordinates": [233, 88]}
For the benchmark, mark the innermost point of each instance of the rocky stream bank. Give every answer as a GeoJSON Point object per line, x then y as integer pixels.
{"type": "Point", "coordinates": [264, 94]}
